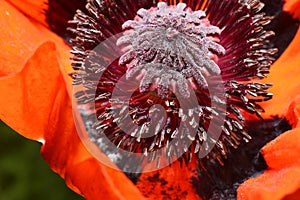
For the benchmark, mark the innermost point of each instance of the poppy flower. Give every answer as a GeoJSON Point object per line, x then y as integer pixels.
{"type": "Point", "coordinates": [36, 83]}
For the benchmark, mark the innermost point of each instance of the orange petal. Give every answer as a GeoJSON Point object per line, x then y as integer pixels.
{"type": "Point", "coordinates": [293, 196]}
{"type": "Point", "coordinates": [285, 76]}
{"type": "Point", "coordinates": [272, 185]}
{"type": "Point", "coordinates": [284, 151]}
{"type": "Point", "coordinates": [293, 7]}
{"type": "Point", "coordinates": [36, 103]}
{"type": "Point", "coordinates": [281, 178]}
{"type": "Point", "coordinates": [27, 75]}
{"type": "Point", "coordinates": [19, 40]}
{"type": "Point", "coordinates": [17, 44]}
{"type": "Point", "coordinates": [28, 97]}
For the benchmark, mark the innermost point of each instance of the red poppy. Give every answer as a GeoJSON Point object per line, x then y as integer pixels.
{"type": "Point", "coordinates": [36, 102]}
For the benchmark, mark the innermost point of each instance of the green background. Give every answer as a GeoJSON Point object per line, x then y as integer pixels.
{"type": "Point", "coordinates": [23, 172]}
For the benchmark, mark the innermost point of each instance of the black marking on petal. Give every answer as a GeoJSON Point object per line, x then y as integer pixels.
{"type": "Point", "coordinates": [221, 182]}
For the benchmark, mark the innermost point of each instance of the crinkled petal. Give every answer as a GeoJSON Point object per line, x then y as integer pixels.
{"type": "Point", "coordinates": [26, 76]}
{"type": "Point", "coordinates": [19, 40]}
{"type": "Point", "coordinates": [28, 97]}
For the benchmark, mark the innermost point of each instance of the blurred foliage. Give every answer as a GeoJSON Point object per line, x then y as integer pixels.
{"type": "Point", "coordinates": [23, 172]}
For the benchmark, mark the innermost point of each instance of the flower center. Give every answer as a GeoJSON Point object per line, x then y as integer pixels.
{"type": "Point", "coordinates": [171, 50]}
{"type": "Point", "coordinates": [166, 45]}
